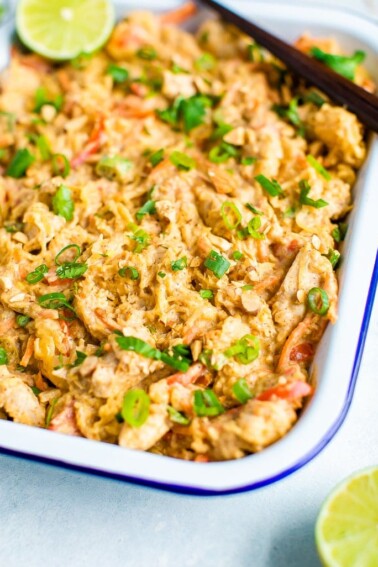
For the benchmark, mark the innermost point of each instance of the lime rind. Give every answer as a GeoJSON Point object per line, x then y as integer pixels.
{"type": "Point", "coordinates": [86, 28]}
{"type": "Point", "coordinates": [346, 529]}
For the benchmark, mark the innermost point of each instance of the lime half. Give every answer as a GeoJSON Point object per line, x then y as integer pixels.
{"type": "Point", "coordinates": [62, 29]}
{"type": "Point", "coordinates": [347, 526]}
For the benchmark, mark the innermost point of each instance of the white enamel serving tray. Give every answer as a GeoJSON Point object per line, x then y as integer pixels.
{"type": "Point", "coordinates": [337, 360]}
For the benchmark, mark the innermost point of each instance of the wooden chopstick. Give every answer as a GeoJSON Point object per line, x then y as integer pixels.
{"type": "Point", "coordinates": [338, 88]}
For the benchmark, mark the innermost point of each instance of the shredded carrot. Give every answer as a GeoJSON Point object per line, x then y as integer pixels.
{"type": "Point", "coordinates": [93, 145]}
{"type": "Point", "coordinates": [28, 352]}
{"type": "Point", "coordinates": [40, 383]}
{"type": "Point", "coordinates": [179, 15]}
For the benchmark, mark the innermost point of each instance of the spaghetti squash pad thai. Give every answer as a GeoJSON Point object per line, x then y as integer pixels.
{"type": "Point", "coordinates": [171, 209]}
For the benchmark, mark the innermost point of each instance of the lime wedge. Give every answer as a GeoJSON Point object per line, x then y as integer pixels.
{"type": "Point", "coordinates": [62, 29]}
{"type": "Point", "coordinates": [347, 526]}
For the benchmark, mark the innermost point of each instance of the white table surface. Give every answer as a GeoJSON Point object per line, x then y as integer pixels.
{"type": "Point", "coordinates": [54, 517]}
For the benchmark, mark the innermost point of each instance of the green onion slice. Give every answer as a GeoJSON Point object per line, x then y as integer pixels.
{"type": "Point", "coordinates": [133, 344]}
{"type": "Point", "coordinates": [76, 247]}
{"type": "Point", "coordinates": [253, 226]}
{"type": "Point", "coordinates": [245, 351]}
{"type": "Point", "coordinates": [253, 209]}
{"type": "Point", "coordinates": [50, 411]}
{"type": "Point", "coordinates": [118, 74]}
{"type": "Point", "coordinates": [290, 113]}
{"type": "Point", "coordinates": [339, 232]}
{"type": "Point", "coordinates": [248, 160]}
{"type": "Point", "coordinates": [129, 271]}
{"type": "Point", "coordinates": [206, 404]}
{"type": "Point", "coordinates": [55, 300]}
{"type": "Point", "coordinates": [141, 237]}
{"type": "Point", "coordinates": [177, 417]}
{"type": "Point", "coordinates": [223, 152]}
{"type": "Point", "coordinates": [80, 357]}
{"type": "Point", "coordinates": [136, 407]}
{"type": "Point", "coordinates": [217, 264]}
{"type": "Point", "coordinates": [305, 200]}
{"type": "Point", "coordinates": [179, 264]}
{"type": "Point", "coordinates": [255, 53]}
{"type": "Point", "coordinates": [236, 255]}
{"type": "Point", "coordinates": [314, 98]}
{"type": "Point", "coordinates": [205, 62]}
{"type": "Point", "coordinates": [71, 270]}
{"type": "Point", "coordinates": [3, 356]}
{"type": "Point", "coordinates": [23, 320]}
{"type": "Point", "coordinates": [149, 208]}
{"type": "Point", "coordinates": [156, 157]}
{"type": "Point", "coordinates": [334, 257]}
{"type": "Point", "coordinates": [241, 391]}
{"type": "Point", "coordinates": [147, 52]}
{"type": "Point", "coordinates": [182, 161]}
{"type": "Point", "coordinates": [220, 131]}
{"type": "Point", "coordinates": [20, 163]}
{"type": "Point", "coordinates": [318, 167]}
{"type": "Point", "coordinates": [318, 301]}
{"type": "Point", "coordinates": [42, 98]}
{"type": "Point", "coordinates": [63, 203]}
{"type": "Point", "coordinates": [37, 275]}
{"type": "Point", "coordinates": [115, 167]}
{"type": "Point", "coordinates": [231, 215]}
{"type": "Point", "coordinates": [271, 186]}
{"type": "Point", "coordinates": [206, 294]}
{"type": "Point", "coordinates": [60, 165]}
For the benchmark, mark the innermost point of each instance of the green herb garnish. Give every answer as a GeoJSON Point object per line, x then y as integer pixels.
{"type": "Point", "coordinates": [118, 74]}
{"type": "Point", "coordinates": [182, 161]}
{"type": "Point", "coordinates": [318, 301]}
{"type": "Point", "coordinates": [60, 165]}
{"type": "Point", "coordinates": [245, 351]}
{"type": "Point", "coordinates": [156, 157]}
{"type": "Point", "coordinates": [217, 264]}
{"type": "Point", "coordinates": [23, 320]}
{"type": "Point", "coordinates": [3, 356]}
{"type": "Point", "coordinates": [115, 167]}
{"type": "Point", "coordinates": [20, 163]}
{"type": "Point", "coordinates": [130, 272]}
{"type": "Point", "coordinates": [305, 200]}
{"type": "Point", "coordinates": [206, 294]}
{"type": "Point", "coordinates": [148, 208]}
{"type": "Point", "coordinates": [231, 215]}
{"type": "Point", "coordinates": [318, 167]}
{"type": "Point", "coordinates": [148, 53]}
{"type": "Point", "coordinates": [63, 203]}
{"type": "Point", "coordinates": [179, 264]}
{"type": "Point", "coordinates": [341, 64]}
{"type": "Point", "coordinates": [271, 186]}
{"type": "Point", "coordinates": [206, 404]}
{"type": "Point", "coordinates": [241, 391]}
{"type": "Point", "coordinates": [37, 275]}
{"type": "Point", "coordinates": [139, 346]}
{"type": "Point", "coordinates": [177, 417]}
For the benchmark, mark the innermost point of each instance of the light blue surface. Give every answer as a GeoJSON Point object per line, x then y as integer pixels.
{"type": "Point", "coordinates": [58, 518]}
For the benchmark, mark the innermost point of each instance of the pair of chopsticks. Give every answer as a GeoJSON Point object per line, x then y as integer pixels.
{"type": "Point", "coordinates": [337, 87]}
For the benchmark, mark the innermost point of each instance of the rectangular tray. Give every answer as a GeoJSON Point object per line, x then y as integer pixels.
{"type": "Point", "coordinates": [339, 354]}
